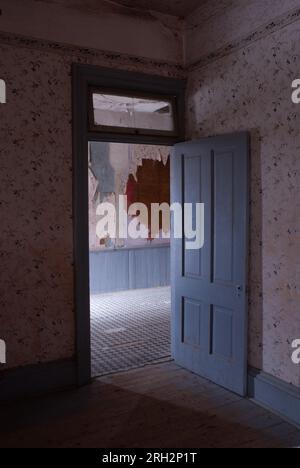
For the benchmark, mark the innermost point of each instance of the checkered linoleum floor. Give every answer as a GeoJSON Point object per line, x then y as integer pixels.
{"type": "Point", "coordinates": [129, 329]}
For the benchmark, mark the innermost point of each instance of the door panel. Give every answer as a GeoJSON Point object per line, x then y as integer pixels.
{"type": "Point", "coordinates": [209, 286]}
{"type": "Point", "coordinates": [192, 322]}
{"type": "Point", "coordinates": [223, 258]}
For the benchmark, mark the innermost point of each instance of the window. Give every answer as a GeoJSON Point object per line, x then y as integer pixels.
{"type": "Point", "coordinates": [113, 112]}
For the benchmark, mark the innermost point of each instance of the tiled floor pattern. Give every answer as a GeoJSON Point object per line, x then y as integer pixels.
{"type": "Point", "coordinates": [129, 329]}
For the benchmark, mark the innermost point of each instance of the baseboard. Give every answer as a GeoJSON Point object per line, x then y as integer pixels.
{"type": "Point", "coordinates": [275, 394]}
{"type": "Point", "coordinates": [28, 381]}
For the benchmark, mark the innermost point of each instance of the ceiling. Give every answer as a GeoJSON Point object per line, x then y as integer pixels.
{"type": "Point", "coordinates": [172, 7]}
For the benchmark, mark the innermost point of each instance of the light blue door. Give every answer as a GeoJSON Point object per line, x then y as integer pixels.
{"type": "Point", "coordinates": [209, 303]}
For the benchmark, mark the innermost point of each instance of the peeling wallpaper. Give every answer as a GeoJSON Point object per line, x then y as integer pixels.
{"type": "Point", "coordinates": [36, 247]}
{"type": "Point", "coordinates": [250, 89]}
{"type": "Point", "coordinates": [124, 160]}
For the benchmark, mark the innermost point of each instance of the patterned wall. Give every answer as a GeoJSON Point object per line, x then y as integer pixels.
{"type": "Point", "coordinates": [250, 89]}
{"type": "Point", "coordinates": [36, 248]}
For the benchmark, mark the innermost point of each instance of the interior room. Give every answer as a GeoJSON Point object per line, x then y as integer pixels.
{"type": "Point", "coordinates": [149, 198]}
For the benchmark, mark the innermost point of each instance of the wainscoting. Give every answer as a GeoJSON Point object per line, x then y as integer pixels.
{"type": "Point", "coordinates": [122, 270]}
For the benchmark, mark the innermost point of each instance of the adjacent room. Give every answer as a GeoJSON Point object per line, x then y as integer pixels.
{"type": "Point", "coordinates": [129, 278]}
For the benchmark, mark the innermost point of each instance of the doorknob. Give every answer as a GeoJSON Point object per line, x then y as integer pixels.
{"type": "Point", "coordinates": [239, 290]}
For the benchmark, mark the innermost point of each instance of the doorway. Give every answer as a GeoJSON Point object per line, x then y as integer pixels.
{"type": "Point", "coordinates": [209, 283]}
{"type": "Point", "coordinates": [130, 293]}
{"type": "Point", "coordinates": [89, 85]}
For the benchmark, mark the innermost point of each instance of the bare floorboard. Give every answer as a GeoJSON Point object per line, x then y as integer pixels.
{"type": "Point", "coordinates": [158, 406]}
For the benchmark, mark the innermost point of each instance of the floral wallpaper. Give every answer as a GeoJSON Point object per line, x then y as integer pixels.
{"type": "Point", "coordinates": [36, 247]}
{"type": "Point", "coordinates": [250, 89]}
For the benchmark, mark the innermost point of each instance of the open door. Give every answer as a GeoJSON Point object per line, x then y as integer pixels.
{"type": "Point", "coordinates": [209, 285]}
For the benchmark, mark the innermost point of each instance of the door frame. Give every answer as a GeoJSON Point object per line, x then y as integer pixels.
{"type": "Point", "coordinates": [83, 78]}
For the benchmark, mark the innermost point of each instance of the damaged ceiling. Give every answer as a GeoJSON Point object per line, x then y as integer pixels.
{"type": "Point", "coordinates": [180, 8]}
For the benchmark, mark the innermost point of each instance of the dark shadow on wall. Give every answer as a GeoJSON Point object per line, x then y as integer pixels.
{"type": "Point", "coordinates": [255, 329]}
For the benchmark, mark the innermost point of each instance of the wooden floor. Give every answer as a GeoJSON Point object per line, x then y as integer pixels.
{"type": "Point", "coordinates": [159, 406]}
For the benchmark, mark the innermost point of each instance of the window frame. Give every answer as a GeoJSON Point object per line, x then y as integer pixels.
{"type": "Point", "coordinates": [105, 129]}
